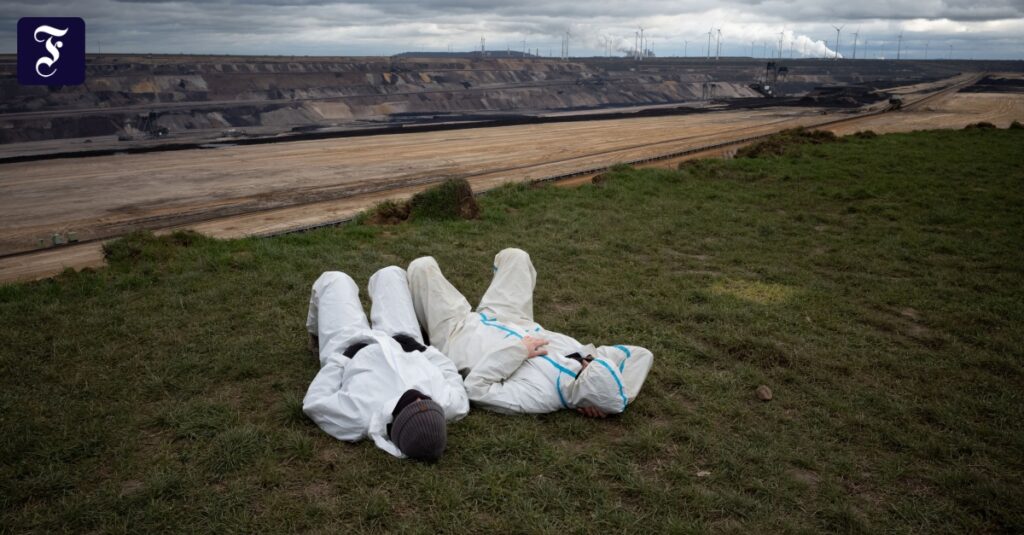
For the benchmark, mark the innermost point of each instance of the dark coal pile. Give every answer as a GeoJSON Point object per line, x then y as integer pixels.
{"type": "Point", "coordinates": [994, 84]}
{"type": "Point", "coordinates": [842, 96]}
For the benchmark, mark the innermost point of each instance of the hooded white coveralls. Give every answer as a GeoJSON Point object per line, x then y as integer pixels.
{"type": "Point", "coordinates": [487, 347]}
{"type": "Point", "coordinates": [353, 398]}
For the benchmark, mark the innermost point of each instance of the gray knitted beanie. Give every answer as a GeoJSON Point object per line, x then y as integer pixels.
{"type": "Point", "coordinates": [420, 431]}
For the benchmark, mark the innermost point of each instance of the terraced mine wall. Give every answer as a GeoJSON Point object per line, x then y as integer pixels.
{"type": "Point", "coordinates": [151, 96]}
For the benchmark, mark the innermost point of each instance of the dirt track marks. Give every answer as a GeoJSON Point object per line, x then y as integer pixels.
{"type": "Point", "coordinates": [268, 189]}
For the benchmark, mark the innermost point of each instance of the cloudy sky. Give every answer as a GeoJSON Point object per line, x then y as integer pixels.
{"type": "Point", "coordinates": [939, 28]}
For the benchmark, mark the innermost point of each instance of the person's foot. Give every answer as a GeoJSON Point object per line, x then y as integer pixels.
{"type": "Point", "coordinates": [313, 344]}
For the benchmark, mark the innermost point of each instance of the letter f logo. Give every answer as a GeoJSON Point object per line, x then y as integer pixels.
{"type": "Point", "coordinates": [51, 51]}
{"type": "Point", "coordinates": [51, 48]}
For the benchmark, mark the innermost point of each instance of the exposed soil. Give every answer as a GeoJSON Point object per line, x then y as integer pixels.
{"type": "Point", "coordinates": [259, 190]}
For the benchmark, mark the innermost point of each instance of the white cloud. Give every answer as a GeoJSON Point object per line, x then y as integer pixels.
{"type": "Point", "coordinates": [989, 28]}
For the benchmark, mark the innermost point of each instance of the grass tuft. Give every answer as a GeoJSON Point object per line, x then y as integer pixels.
{"type": "Point", "coordinates": [197, 419]}
{"type": "Point", "coordinates": [864, 134]}
{"type": "Point", "coordinates": [983, 125]}
{"type": "Point", "coordinates": [388, 212]}
{"type": "Point", "coordinates": [786, 142]}
{"type": "Point", "coordinates": [143, 246]}
{"type": "Point", "coordinates": [452, 199]}
{"type": "Point", "coordinates": [236, 448]}
{"type": "Point", "coordinates": [289, 410]}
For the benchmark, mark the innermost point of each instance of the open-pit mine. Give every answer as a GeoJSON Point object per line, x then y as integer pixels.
{"type": "Point", "coordinates": [237, 146]}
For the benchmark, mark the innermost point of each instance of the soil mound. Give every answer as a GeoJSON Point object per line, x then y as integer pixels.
{"type": "Point", "coordinates": [449, 200]}
{"type": "Point", "coordinates": [784, 142]}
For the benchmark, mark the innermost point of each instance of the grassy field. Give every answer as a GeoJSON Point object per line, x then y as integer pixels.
{"type": "Point", "coordinates": [876, 285]}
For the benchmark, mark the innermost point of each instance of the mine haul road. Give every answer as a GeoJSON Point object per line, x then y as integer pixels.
{"type": "Point", "coordinates": [268, 189]}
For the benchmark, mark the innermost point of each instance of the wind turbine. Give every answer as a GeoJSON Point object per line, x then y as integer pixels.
{"type": "Point", "coordinates": [926, 43]}
{"type": "Point", "coordinates": [856, 34]}
{"type": "Point", "coordinates": [838, 29]}
{"type": "Point", "coordinates": [950, 52]}
{"type": "Point", "coordinates": [899, 46]}
{"type": "Point", "coordinates": [718, 44]}
{"type": "Point", "coordinates": [782, 34]}
{"type": "Point", "coordinates": [709, 43]}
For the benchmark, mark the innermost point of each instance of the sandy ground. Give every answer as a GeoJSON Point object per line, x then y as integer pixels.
{"type": "Point", "coordinates": [105, 196]}
{"type": "Point", "coordinates": [956, 111]}
{"type": "Point", "coordinates": [266, 189]}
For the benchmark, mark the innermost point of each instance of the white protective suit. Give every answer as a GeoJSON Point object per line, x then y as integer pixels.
{"type": "Point", "coordinates": [487, 347]}
{"type": "Point", "coordinates": [353, 398]}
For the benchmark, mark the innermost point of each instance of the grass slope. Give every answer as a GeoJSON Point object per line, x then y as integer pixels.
{"type": "Point", "coordinates": [873, 284]}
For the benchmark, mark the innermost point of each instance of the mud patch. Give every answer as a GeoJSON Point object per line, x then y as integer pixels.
{"type": "Point", "coordinates": [765, 354]}
{"type": "Point", "coordinates": [907, 322]}
{"type": "Point", "coordinates": [131, 488]}
{"type": "Point", "coordinates": [318, 491]}
{"type": "Point", "coordinates": [804, 476]}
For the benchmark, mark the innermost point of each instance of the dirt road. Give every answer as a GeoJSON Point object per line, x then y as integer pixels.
{"type": "Point", "coordinates": [955, 111]}
{"type": "Point", "coordinates": [109, 195]}
{"type": "Point", "coordinates": [266, 189]}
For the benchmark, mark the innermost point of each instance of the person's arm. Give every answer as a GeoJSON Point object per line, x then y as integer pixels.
{"type": "Point", "coordinates": [488, 383]}
{"type": "Point", "coordinates": [455, 402]}
{"type": "Point", "coordinates": [334, 411]}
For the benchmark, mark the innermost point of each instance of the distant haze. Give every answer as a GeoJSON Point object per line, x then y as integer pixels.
{"type": "Point", "coordinates": [964, 28]}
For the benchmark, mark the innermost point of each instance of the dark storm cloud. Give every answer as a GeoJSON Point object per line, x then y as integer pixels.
{"type": "Point", "coordinates": [987, 27]}
{"type": "Point", "coordinates": [966, 10]}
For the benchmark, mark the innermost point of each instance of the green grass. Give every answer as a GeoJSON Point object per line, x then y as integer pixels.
{"type": "Point", "coordinates": [451, 199]}
{"type": "Point", "coordinates": [874, 284]}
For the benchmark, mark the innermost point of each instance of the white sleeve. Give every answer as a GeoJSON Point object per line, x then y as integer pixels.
{"type": "Point", "coordinates": [333, 410]}
{"type": "Point", "coordinates": [633, 363]}
{"type": "Point", "coordinates": [456, 402]}
{"type": "Point", "coordinates": [488, 383]}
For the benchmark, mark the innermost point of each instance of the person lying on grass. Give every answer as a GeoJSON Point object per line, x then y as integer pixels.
{"type": "Point", "coordinates": [513, 365]}
{"type": "Point", "coordinates": [381, 383]}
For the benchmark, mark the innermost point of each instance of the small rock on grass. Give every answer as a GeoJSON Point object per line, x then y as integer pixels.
{"type": "Point", "coordinates": [703, 473]}
{"type": "Point", "coordinates": [764, 393]}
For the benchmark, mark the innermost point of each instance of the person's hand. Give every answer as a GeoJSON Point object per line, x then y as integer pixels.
{"type": "Point", "coordinates": [535, 346]}
{"type": "Point", "coordinates": [591, 412]}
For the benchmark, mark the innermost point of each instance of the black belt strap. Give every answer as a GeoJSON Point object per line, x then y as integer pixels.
{"type": "Point", "coordinates": [408, 343]}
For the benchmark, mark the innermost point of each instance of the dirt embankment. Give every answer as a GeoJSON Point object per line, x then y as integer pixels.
{"type": "Point", "coordinates": [256, 190]}
{"type": "Point", "coordinates": [133, 97]}
{"type": "Point", "coordinates": [147, 97]}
